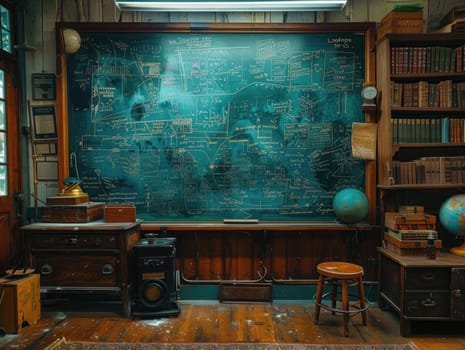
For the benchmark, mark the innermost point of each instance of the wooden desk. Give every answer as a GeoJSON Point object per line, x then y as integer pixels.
{"type": "Point", "coordinates": [94, 257]}
{"type": "Point", "coordinates": [422, 289]}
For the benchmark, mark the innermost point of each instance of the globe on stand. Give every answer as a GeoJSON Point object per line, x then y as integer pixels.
{"type": "Point", "coordinates": [452, 218]}
{"type": "Point", "coordinates": [350, 205]}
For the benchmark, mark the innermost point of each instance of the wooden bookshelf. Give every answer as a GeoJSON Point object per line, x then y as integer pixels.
{"type": "Point", "coordinates": [412, 149]}
{"type": "Point", "coordinates": [438, 126]}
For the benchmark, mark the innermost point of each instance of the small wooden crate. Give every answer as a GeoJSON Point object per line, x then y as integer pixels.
{"type": "Point", "coordinates": [396, 221]}
{"type": "Point", "coordinates": [401, 22]}
{"type": "Point", "coordinates": [20, 302]}
{"type": "Point", "coordinates": [79, 213]}
{"type": "Point", "coordinates": [120, 213]}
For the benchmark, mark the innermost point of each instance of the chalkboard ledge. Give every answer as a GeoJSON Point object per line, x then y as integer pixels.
{"type": "Point", "coordinates": [259, 226]}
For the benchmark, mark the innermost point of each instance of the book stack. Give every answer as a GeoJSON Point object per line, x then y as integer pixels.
{"type": "Point", "coordinates": [398, 21]}
{"type": "Point", "coordinates": [408, 231]}
{"type": "Point", "coordinates": [454, 21]}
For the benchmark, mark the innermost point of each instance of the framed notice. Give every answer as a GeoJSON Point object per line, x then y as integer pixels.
{"type": "Point", "coordinates": [44, 122]}
{"type": "Point", "coordinates": [43, 87]}
{"type": "Point", "coordinates": [47, 171]}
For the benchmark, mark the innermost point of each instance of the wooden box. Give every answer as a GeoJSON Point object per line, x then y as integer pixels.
{"type": "Point", "coordinates": [19, 302]}
{"type": "Point", "coordinates": [84, 212]}
{"type": "Point", "coordinates": [246, 292]}
{"type": "Point", "coordinates": [396, 221]}
{"type": "Point", "coordinates": [120, 213]}
{"type": "Point", "coordinates": [401, 22]}
{"type": "Point", "coordinates": [67, 200]}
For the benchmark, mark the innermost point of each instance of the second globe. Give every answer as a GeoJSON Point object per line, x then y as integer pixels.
{"type": "Point", "coordinates": [350, 205]}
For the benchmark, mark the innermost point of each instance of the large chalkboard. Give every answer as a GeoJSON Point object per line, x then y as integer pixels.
{"type": "Point", "coordinates": [213, 126]}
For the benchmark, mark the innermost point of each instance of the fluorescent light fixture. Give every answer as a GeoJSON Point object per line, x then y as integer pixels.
{"type": "Point", "coordinates": [230, 5]}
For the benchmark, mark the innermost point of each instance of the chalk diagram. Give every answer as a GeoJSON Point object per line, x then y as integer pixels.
{"type": "Point", "coordinates": [215, 126]}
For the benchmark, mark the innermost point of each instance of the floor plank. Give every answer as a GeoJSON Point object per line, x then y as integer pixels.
{"type": "Point", "coordinates": [235, 322]}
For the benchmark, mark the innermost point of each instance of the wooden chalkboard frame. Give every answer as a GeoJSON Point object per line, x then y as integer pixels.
{"type": "Point", "coordinates": [367, 29]}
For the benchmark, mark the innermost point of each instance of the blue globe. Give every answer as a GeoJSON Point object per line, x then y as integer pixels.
{"type": "Point", "coordinates": [350, 205]}
{"type": "Point", "coordinates": [452, 214]}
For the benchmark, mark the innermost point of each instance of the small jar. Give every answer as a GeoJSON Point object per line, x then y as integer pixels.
{"type": "Point", "coordinates": [430, 248]}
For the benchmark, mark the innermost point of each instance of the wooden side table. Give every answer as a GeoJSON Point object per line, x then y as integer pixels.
{"type": "Point", "coordinates": [421, 289]}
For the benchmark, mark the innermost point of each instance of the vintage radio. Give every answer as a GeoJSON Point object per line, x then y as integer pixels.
{"type": "Point", "coordinates": [155, 294]}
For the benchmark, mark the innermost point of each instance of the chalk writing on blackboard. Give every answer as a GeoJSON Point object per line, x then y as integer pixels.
{"type": "Point", "coordinates": [215, 126]}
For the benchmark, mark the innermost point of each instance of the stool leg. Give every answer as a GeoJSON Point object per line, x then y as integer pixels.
{"type": "Point", "coordinates": [361, 293]}
{"type": "Point", "coordinates": [345, 306]}
{"type": "Point", "coordinates": [319, 292]}
{"type": "Point", "coordinates": [334, 294]}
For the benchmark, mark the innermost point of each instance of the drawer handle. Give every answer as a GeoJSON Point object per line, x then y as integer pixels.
{"type": "Point", "coordinates": [107, 269]}
{"type": "Point", "coordinates": [72, 241]}
{"type": "Point", "coordinates": [428, 277]}
{"type": "Point", "coordinates": [46, 269]}
{"type": "Point", "coordinates": [428, 303]}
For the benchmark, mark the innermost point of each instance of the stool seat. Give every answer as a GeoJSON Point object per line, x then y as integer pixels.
{"type": "Point", "coordinates": [346, 275]}
{"type": "Point", "coordinates": [340, 270]}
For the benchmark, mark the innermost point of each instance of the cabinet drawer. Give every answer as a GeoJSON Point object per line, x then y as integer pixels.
{"type": "Point", "coordinates": [77, 270]}
{"type": "Point", "coordinates": [427, 304]}
{"type": "Point", "coordinates": [71, 241]}
{"type": "Point", "coordinates": [427, 279]}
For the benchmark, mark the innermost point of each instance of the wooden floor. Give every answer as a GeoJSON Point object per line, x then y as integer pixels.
{"type": "Point", "coordinates": [219, 322]}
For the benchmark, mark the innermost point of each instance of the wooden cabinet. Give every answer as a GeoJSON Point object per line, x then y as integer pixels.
{"type": "Point", "coordinates": [93, 257]}
{"type": "Point", "coordinates": [421, 289]}
{"type": "Point", "coordinates": [421, 79]}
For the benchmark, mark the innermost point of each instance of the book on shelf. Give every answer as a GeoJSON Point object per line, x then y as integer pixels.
{"type": "Point", "coordinates": [445, 130]}
{"type": "Point", "coordinates": [396, 94]}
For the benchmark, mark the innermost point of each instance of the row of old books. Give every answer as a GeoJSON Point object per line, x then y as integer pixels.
{"type": "Point", "coordinates": [425, 94]}
{"type": "Point", "coordinates": [428, 130]}
{"type": "Point", "coordinates": [429, 170]}
{"type": "Point", "coordinates": [430, 59]}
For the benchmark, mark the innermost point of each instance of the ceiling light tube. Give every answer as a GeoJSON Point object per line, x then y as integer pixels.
{"type": "Point", "coordinates": [230, 5]}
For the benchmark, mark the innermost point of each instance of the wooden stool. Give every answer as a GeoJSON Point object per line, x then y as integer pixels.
{"type": "Point", "coordinates": [345, 274]}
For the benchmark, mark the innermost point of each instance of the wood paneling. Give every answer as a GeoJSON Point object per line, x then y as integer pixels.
{"type": "Point", "coordinates": [280, 256]}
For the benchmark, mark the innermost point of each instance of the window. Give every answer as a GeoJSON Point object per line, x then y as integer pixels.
{"type": "Point", "coordinates": [5, 28]}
